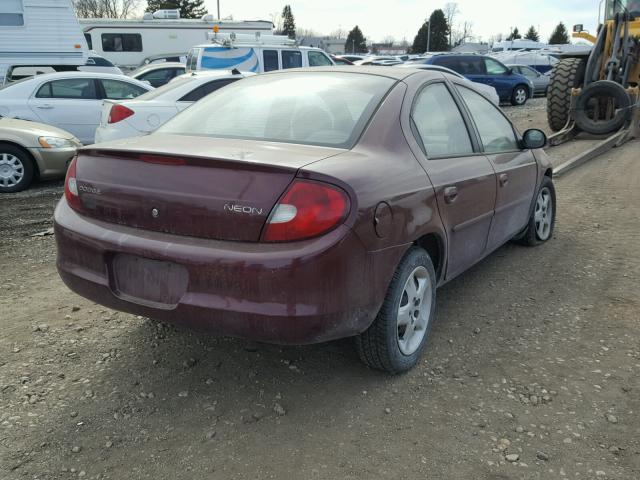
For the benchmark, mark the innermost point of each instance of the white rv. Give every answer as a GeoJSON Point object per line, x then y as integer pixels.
{"type": "Point", "coordinates": [128, 43]}
{"type": "Point", "coordinates": [254, 53]}
{"type": "Point", "coordinates": [40, 33]}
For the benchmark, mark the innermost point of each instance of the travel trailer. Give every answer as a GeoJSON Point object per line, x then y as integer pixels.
{"type": "Point", "coordinates": [127, 43]}
{"type": "Point", "coordinates": [254, 53]}
{"type": "Point", "coordinates": [40, 33]}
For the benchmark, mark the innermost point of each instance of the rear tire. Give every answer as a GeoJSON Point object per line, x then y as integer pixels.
{"type": "Point", "coordinates": [16, 168]}
{"type": "Point", "coordinates": [519, 95]}
{"type": "Point", "coordinates": [567, 75]}
{"type": "Point", "coordinates": [395, 340]}
{"type": "Point", "coordinates": [543, 217]}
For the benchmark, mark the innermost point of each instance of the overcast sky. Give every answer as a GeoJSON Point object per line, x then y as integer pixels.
{"type": "Point", "coordinates": [402, 18]}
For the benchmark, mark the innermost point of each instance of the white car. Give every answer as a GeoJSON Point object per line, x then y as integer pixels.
{"type": "Point", "coordinates": [71, 101]}
{"type": "Point", "coordinates": [487, 90]}
{"type": "Point", "coordinates": [158, 74]}
{"type": "Point", "coordinates": [134, 118]}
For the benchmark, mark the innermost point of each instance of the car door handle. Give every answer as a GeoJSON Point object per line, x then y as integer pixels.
{"type": "Point", "coordinates": [46, 106]}
{"type": "Point", "coordinates": [503, 179]}
{"type": "Point", "coordinates": [450, 194]}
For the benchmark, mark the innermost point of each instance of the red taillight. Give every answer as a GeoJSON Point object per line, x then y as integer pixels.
{"type": "Point", "coordinates": [306, 210]}
{"type": "Point", "coordinates": [119, 112]}
{"type": "Point", "coordinates": [71, 186]}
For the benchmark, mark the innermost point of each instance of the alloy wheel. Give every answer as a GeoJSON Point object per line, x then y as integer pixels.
{"type": "Point", "coordinates": [414, 311]}
{"type": "Point", "coordinates": [11, 170]}
{"type": "Point", "coordinates": [543, 214]}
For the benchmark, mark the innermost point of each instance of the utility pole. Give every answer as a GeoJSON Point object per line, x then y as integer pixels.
{"type": "Point", "coordinates": [429, 36]}
{"type": "Point", "coordinates": [353, 45]}
{"type": "Point", "coordinates": [218, 9]}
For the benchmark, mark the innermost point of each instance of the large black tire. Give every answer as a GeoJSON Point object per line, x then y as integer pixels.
{"type": "Point", "coordinates": [16, 168]}
{"type": "Point", "coordinates": [533, 235]}
{"type": "Point", "coordinates": [567, 74]}
{"type": "Point", "coordinates": [598, 90]}
{"type": "Point", "coordinates": [380, 345]}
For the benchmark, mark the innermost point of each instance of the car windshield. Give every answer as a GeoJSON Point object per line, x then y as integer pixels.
{"type": "Point", "coordinates": [172, 85]}
{"type": "Point", "coordinates": [319, 108]}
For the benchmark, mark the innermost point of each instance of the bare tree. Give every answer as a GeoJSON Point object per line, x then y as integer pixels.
{"type": "Point", "coordinates": [463, 32]}
{"type": "Point", "coordinates": [276, 19]}
{"type": "Point", "coordinates": [105, 8]}
{"type": "Point", "coordinates": [338, 33]}
{"type": "Point", "coordinates": [451, 10]}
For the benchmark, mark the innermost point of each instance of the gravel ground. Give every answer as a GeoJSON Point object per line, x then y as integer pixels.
{"type": "Point", "coordinates": [532, 372]}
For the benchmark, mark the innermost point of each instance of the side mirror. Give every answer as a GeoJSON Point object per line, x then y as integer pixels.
{"type": "Point", "coordinates": [578, 28]}
{"type": "Point", "coordinates": [534, 138]}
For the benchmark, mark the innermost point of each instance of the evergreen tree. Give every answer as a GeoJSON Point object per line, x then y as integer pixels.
{"type": "Point", "coordinates": [356, 43]}
{"type": "Point", "coordinates": [288, 22]}
{"type": "Point", "coordinates": [559, 35]}
{"type": "Point", "coordinates": [532, 34]}
{"type": "Point", "coordinates": [439, 41]}
{"type": "Point", "coordinates": [188, 8]}
{"type": "Point", "coordinates": [515, 35]}
{"type": "Point", "coordinates": [439, 32]}
{"type": "Point", "coordinates": [420, 41]}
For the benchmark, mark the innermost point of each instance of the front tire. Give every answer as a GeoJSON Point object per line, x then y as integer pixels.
{"type": "Point", "coordinates": [519, 95]}
{"type": "Point", "coordinates": [543, 218]}
{"type": "Point", "coordinates": [16, 169]}
{"type": "Point", "coordinates": [395, 340]}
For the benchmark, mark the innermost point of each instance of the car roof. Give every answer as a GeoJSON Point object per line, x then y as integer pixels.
{"type": "Point", "coordinates": [380, 71]}
{"type": "Point", "coordinates": [60, 75]}
{"type": "Point", "coordinates": [214, 73]}
{"type": "Point", "coordinates": [156, 66]}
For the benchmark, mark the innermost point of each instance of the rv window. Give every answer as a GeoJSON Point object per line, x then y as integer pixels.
{"type": "Point", "coordinates": [291, 59]}
{"type": "Point", "coordinates": [78, 88]}
{"type": "Point", "coordinates": [270, 60]}
{"type": "Point", "coordinates": [117, 90]}
{"type": "Point", "coordinates": [318, 59]}
{"type": "Point", "coordinates": [121, 42]}
{"type": "Point", "coordinates": [87, 37]}
{"type": "Point", "coordinates": [11, 13]}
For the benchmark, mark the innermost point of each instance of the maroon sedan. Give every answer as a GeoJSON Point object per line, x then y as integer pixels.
{"type": "Point", "coordinates": [305, 206]}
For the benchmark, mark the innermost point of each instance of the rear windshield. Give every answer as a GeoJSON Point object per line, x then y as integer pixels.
{"type": "Point", "coordinates": [173, 84]}
{"type": "Point", "coordinates": [315, 108]}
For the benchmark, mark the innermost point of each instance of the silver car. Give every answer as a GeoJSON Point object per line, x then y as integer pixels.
{"type": "Point", "coordinates": [31, 150]}
{"type": "Point", "coordinates": [540, 80]}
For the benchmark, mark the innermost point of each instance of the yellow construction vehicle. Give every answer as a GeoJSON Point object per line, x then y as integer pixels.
{"type": "Point", "coordinates": [598, 91]}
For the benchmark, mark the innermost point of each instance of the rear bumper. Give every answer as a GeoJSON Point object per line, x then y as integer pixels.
{"type": "Point", "coordinates": [109, 132]}
{"type": "Point", "coordinates": [298, 293]}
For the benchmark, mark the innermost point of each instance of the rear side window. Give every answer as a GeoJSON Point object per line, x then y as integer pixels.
{"type": "Point", "coordinates": [204, 90]}
{"type": "Point", "coordinates": [291, 59]}
{"type": "Point", "coordinates": [449, 62]}
{"type": "Point", "coordinates": [439, 123]}
{"type": "Point", "coordinates": [496, 133]}
{"type": "Point", "coordinates": [77, 88]}
{"type": "Point", "coordinates": [11, 13]}
{"type": "Point", "coordinates": [318, 59]}
{"type": "Point", "coordinates": [117, 90]}
{"type": "Point", "coordinates": [493, 67]}
{"type": "Point", "coordinates": [121, 42]}
{"type": "Point", "coordinates": [270, 60]}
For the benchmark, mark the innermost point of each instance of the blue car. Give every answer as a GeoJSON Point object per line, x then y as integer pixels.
{"type": "Point", "coordinates": [511, 87]}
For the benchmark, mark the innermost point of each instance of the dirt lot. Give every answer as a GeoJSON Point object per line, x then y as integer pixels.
{"type": "Point", "coordinates": [533, 369]}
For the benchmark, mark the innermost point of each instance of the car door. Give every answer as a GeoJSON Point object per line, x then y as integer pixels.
{"type": "Point", "coordinates": [500, 77]}
{"type": "Point", "coordinates": [516, 169]}
{"type": "Point", "coordinates": [72, 104]}
{"type": "Point", "coordinates": [535, 76]}
{"type": "Point", "coordinates": [463, 179]}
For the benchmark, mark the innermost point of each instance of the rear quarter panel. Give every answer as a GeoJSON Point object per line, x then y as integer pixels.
{"type": "Point", "coordinates": [382, 172]}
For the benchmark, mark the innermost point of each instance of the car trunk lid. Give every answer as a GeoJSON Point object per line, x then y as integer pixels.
{"type": "Point", "coordinates": [223, 189]}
